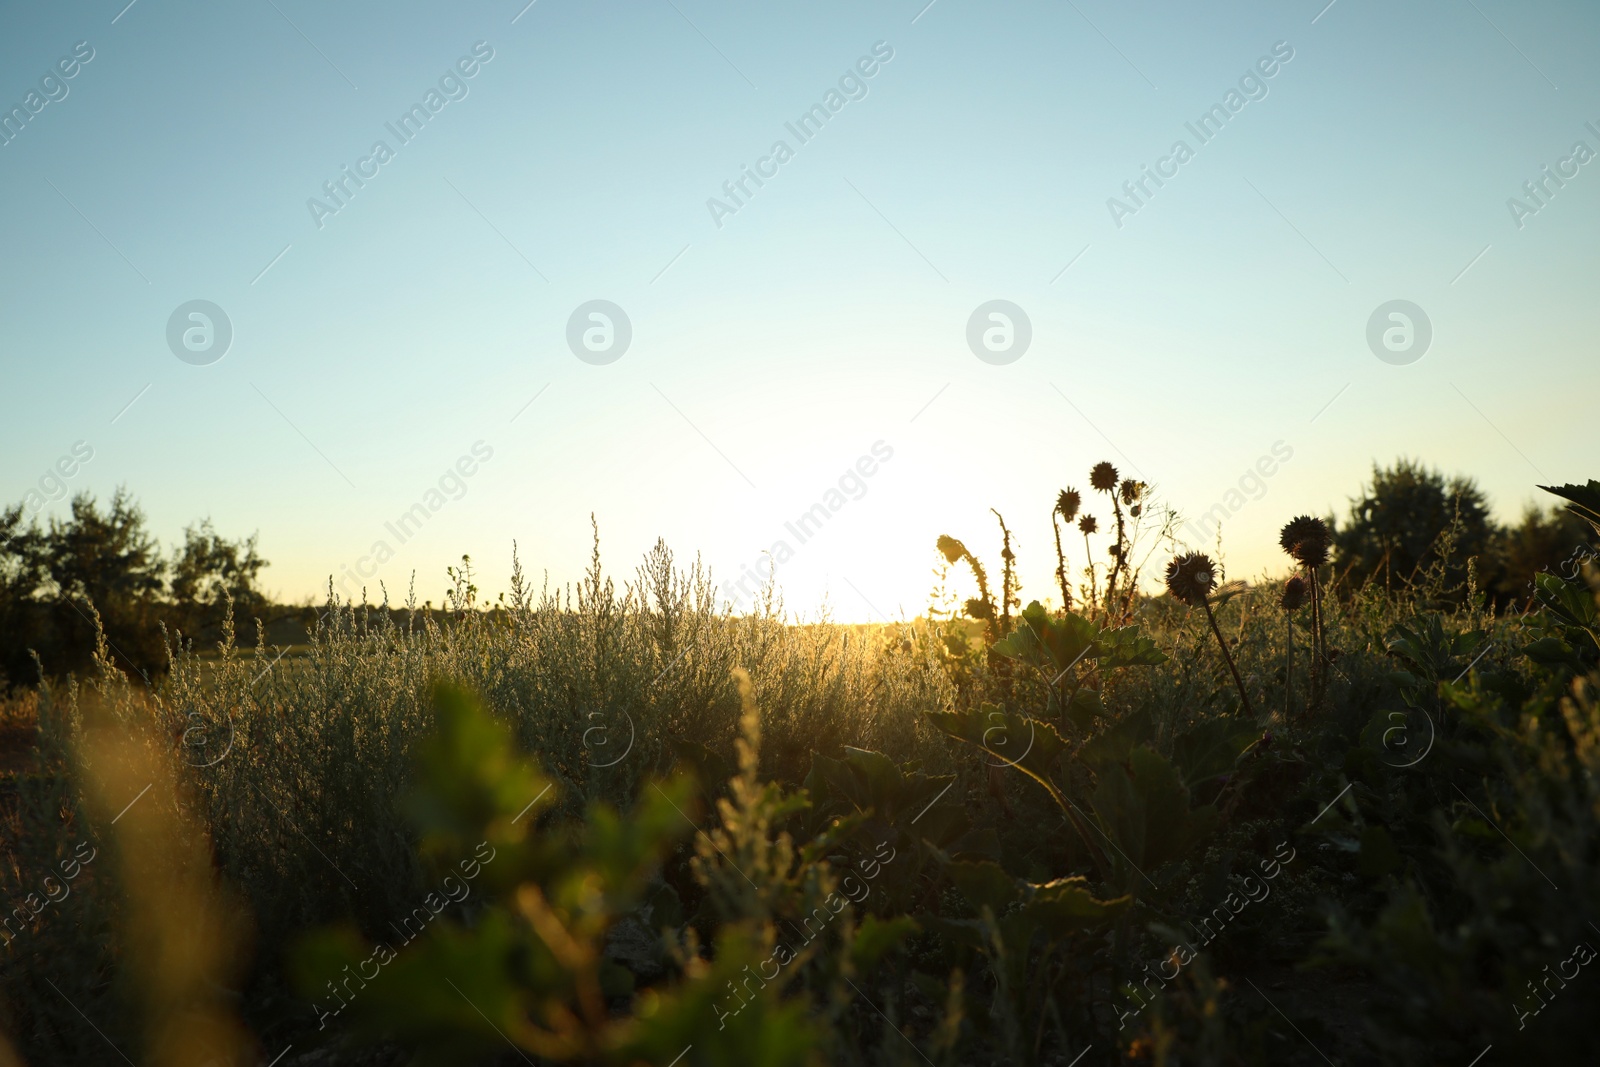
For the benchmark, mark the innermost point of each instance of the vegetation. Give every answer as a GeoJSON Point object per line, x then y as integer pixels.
{"type": "Point", "coordinates": [103, 569]}
{"type": "Point", "coordinates": [1410, 519]}
{"type": "Point", "coordinates": [616, 825]}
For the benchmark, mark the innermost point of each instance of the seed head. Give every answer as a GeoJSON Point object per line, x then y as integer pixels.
{"type": "Point", "coordinates": [1306, 539]}
{"type": "Point", "coordinates": [1088, 525]}
{"type": "Point", "coordinates": [1131, 490]}
{"type": "Point", "coordinates": [952, 549]}
{"type": "Point", "coordinates": [1189, 577]}
{"type": "Point", "coordinates": [1294, 593]}
{"type": "Point", "coordinates": [1067, 503]}
{"type": "Point", "coordinates": [979, 609]}
{"type": "Point", "coordinates": [1103, 477]}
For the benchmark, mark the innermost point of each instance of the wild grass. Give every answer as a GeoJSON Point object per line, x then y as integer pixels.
{"type": "Point", "coordinates": [295, 765]}
{"type": "Point", "coordinates": [291, 771]}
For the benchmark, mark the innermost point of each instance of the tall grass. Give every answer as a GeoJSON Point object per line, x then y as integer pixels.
{"type": "Point", "coordinates": [294, 764]}
{"type": "Point", "coordinates": [290, 767]}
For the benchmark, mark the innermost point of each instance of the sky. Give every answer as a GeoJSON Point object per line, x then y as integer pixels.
{"type": "Point", "coordinates": [1343, 266]}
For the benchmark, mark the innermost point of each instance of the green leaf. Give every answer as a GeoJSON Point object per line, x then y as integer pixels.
{"type": "Point", "coordinates": [1028, 744]}
{"type": "Point", "coordinates": [1211, 749]}
{"type": "Point", "coordinates": [1582, 500]}
{"type": "Point", "coordinates": [1145, 810]}
{"type": "Point", "coordinates": [1055, 644]}
{"type": "Point", "coordinates": [1433, 651]}
{"type": "Point", "coordinates": [1127, 647]}
{"type": "Point", "coordinates": [1552, 651]}
{"type": "Point", "coordinates": [1048, 643]}
{"type": "Point", "coordinates": [1171, 827]}
{"type": "Point", "coordinates": [472, 783]}
{"type": "Point", "coordinates": [1116, 743]}
{"type": "Point", "coordinates": [984, 884]}
{"type": "Point", "coordinates": [1085, 707]}
{"type": "Point", "coordinates": [877, 771]}
{"type": "Point", "coordinates": [1573, 602]}
{"type": "Point", "coordinates": [1067, 906]}
{"type": "Point", "coordinates": [876, 937]}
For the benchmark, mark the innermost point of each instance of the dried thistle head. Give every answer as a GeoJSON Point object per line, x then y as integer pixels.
{"type": "Point", "coordinates": [1067, 504]}
{"type": "Point", "coordinates": [1131, 490]}
{"type": "Point", "coordinates": [1306, 539]}
{"type": "Point", "coordinates": [1088, 525]}
{"type": "Point", "coordinates": [1294, 594]}
{"type": "Point", "coordinates": [1190, 576]}
{"type": "Point", "coordinates": [979, 609]}
{"type": "Point", "coordinates": [952, 549]}
{"type": "Point", "coordinates": [1103, 477]}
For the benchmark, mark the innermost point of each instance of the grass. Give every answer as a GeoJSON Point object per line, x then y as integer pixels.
{"type": "Point", "coordinates": [296, 770]}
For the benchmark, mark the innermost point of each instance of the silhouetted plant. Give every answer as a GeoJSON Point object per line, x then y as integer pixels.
{"type": "Point", "coordinates": [1087, 525]}
{"type": "Point", "coordinates": [1189, 579]}
{"type": "Point", "coordinates": [982, 606]}
{"type": "Point", "coordinates": [1008, 574]}
{"type": "Point", "coordinates": [1294, 596]}
{"type": "Point", "coordinates": [1306, 539]}
{"type": "Point", "coordinates": [1066, 510]}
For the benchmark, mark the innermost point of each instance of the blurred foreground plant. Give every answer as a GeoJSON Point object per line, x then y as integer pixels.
{"type": "Point", "coordinates": [530, 967]}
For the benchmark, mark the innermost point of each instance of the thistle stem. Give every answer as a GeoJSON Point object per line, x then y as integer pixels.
{"type": "Point", "coordinates": [1288, 671]}
{"type": "Point", "coordinates": [1212, 619]}
{"type": "Point", "coordinates": [1090, 554]}
{"type": "Point", "coordinates": [1319, 664]}
{"type": "Point", "coordinates": [1116, 566]}
{"type": "Point", "coordinates": [1061, 565]}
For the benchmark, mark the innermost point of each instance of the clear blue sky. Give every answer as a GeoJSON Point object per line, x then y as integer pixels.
{"type": "Point", "coordinates": [1226, 315]}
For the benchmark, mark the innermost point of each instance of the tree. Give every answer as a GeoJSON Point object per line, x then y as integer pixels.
{"type": "Point", "coordinates": [22, 575]}
{"type": "Point", "coordinates": [110, 561]}
{"type": "Point", "coordinates": [1544, 540]}
{"type": "Point", "coordinates": [54, 581]}
{"type": "Point", "coordinates": [1405, 522]}
{"type": "Point", "coordinates": [208, 570]}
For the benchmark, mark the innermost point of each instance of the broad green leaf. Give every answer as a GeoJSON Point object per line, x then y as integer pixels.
{"type": "Point", "coordinates": [1211, 748]}
{"type": "Point", "coordinates": [1573, 602]}
{"type": "Point", "coordinates": [1067, 906]}
{"type": "Point", "coordinates": [1028, 744]}
{"type": "Point", "coordinates": [1116, 743]}
{"type": "Point", "coordinates": [473, 784]}
{"type": "Point", "coordinates": [1050, 644]}
{"type": "Point", "coordinates": [1582, 500]}
{"type": "Point", "coordinates": [877, 771]}
{"type": "Point", "coordinates": [1127, 647]}
{"type": "Point", "coordinates": [1085, 707]}
{"type": "Point", "coordinates": [984, 884]}
{"type": "Point", "coordinates": [1145, 810]}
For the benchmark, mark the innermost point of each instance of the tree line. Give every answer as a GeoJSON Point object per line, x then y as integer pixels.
{"type": "Point", "coordinates": [1408, 524]}
{"type": "Point", "coordinates": [1411, 522]}
{"type": "Point", "coordinates": [56, 577]}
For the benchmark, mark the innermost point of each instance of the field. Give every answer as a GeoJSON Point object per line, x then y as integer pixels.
{"type": "Point", "coordinates": [614, 824]}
